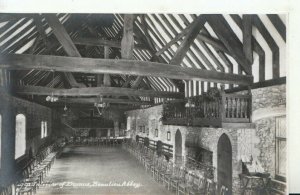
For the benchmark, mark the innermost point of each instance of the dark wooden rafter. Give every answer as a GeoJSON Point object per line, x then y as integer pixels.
{"type": "Point", "coordinates": [94, 91]}
{"type": "Point", "coordinates": [21, 43]}
{"type": "Point", "coordinates": [102, 42]}
{"type": "Point", "coordinates": [218, 51]}
{"type": "Point", "coordinates": [137, 82]}
{"type": "Point", "coordinates": [106, 77]}
{"type": "Point", "coordinates": [164, 28]}
{"type": "Point", "coordinates": [95, 34]}
{"type": "Point", "coordinates": [145, 36]}
{"type": "Point", "coordinates": [8, 17]}
{"type": "Point", "coordinates": [107, 100]}
{"type": "Point", "coordinates": [40, 28]}
{"type": "Point", "coordinates": [230, 40]}
{"type": "Point", "coordinates": [178, 84]}
{"type": "Point", "coordinates": [6, 26]}
{"type": "Point", "coordinates": [203, 37]}
{"type": "Point", "coordinates": [127, 43]}
{"type": "Point", "coordinates": [262, 68]}
{"type": "Point", "coordinates": [213, 42]}
{"type": "Point", "coordinates": [212, 56]}
{"type": "Point", "coordinates": [13, 29]}
{"type": "Point", "coordinates": [247, 37]}
{"type": "Point", "coordinates": [62, 35]}
{"type": "Point", "coordinates": [66, 42]}
{"type": "Point", "coordinates": [228, 64]}
{"type": "Point", "coordinates": [278, 24]}
{"type": "Point", "coordinates": [127, 81]}
{"type": "Point", "coordinates": [197, 50]}
{"type": "Point", "coordinates": [156, 35]}
{"type": "Point", "coordinates": [85, 106]}
{"type": "Point", "coordinates": [271, 43]}
{"type": "Point", "coordinates": [256, 47]}
{"type": "Point", "coordinates": [144, 49]}
{"type": "Point", "coordinates": [177, 38]}
{"type": "Point", "coordinates": [115, 66]}
{"type": "Point", "coordinates": [187, 41]}
{"type": "Point", "coordinates": [12, 41]}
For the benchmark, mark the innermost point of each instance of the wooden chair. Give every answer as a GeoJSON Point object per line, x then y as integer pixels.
{"type": "Point", "coordinates": [161, 168]}
{"type": "Point", "coordinates": [163, 174]}
{"type": "Point", "coordinates": [169, 178]}
{"type": "Point", "coordinates": [198, 186]}
{"type": "Point", "coordinates": [24, 186]}
{"type": "Point", "coordinates": [210, 188]}
{"type": "Point", "coordinates": [178, 179]}
{"type": "Point", "coordinates": [186, 183]}
{"type": "Point", "coordinates": [154, 165]}
{"type": "Point", "coordinates": [9, 190]}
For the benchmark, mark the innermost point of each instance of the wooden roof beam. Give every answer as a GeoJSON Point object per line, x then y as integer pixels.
{"type": "Point", "coordinates": [186, 43]}
{"type": "Point", "coordinates": [66, 42]}
{"type": "Point", "coordinates": [247, 37]}
{"type": "Point", "coordinates": [102, 42]}
{"type": "Point", "coordinates": [229, 39]}
{"type": "Point", "coordinates": [94, 91]}
{"type": "Point", "coordinates": [188, 40]}
{"type": "Point", "coordinates": [115, 66]}
{"type": "Point", "coordinates": [278, 24]}
{"type": "Point", "coordinates": [256, 47]}
{"type": "Point", "coordinates": [271, 43]}
{"type": "Point", "coordinates": [107, 100]}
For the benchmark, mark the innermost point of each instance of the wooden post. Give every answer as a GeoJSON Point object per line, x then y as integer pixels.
{"type": "Point", "coordinates": [222, 110]}
{"type": "Point", "coordinates": [250, 104]}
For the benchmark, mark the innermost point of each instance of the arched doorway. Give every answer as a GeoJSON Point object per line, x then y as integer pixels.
{"type": "Point", "coordinates": [92, 133]}
{"type": "Point", "coordinates": [224, 163]}
{"type": "Point", "coordinates": [178, 147]}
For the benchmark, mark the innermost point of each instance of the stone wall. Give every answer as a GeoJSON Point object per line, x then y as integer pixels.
{"type": "Point", "coordinates": [9, 107]}
{"type": "Point", "coordinates": [268, 104]}
{"type": "Point", "coordinates": [145, 117]}
{"type": "Point", "coordinates": [259, 142]}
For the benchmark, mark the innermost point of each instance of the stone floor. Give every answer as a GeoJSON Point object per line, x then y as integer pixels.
{"type": "Point", "coordinates": [98, 170]}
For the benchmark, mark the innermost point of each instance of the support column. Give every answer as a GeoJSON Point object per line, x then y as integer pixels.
{"type": "Point", "coordinates": [116, 128]}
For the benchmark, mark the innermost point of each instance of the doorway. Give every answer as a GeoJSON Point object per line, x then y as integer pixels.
{"type": "Point", "coordinates": [224, 163]}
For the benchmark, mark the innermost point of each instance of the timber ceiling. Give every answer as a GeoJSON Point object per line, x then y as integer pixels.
{"type": "Point", "coordinates": [184, 55]}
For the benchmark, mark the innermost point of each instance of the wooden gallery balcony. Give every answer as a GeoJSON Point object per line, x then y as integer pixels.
{"type": "Point", "coordinates": [215, 108]}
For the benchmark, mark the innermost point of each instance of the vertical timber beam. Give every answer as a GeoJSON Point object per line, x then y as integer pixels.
{"type": "Point", "coordinates": [186, 43]}
{"type": "Point", "coordinates": [247, 37]}
{"type": "Point", "coordinates": [66, 42]}
{"type": "Point", "coordinates": [230, 40]}
{"type": "Point", "coordinates": [106, 77]}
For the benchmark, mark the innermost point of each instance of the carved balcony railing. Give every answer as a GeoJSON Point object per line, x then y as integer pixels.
{"type": "Point", "coordinates": [209, 110]}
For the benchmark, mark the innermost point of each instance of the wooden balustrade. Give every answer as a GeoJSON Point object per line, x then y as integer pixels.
{"type": "Point", "coordinates": [205, 110]}
{"type": "Point", "coordinates": [237, 108]}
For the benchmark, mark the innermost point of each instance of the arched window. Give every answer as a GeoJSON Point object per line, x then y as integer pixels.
{"type": "Point", "coordinates": [45, 129]}
{"type": "Point", "coordinates": [42, 129]}
{"type": "Point", "coordinates": [128, 123]}
{"type": "Point", "coordinates": [20, 144]}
